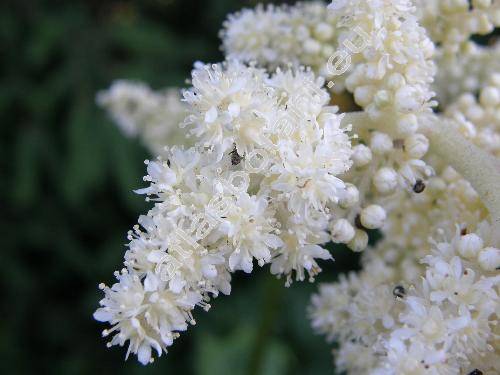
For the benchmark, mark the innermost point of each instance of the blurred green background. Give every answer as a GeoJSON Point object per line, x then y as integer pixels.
{"type": "Point", "coordinates": [67, 177]}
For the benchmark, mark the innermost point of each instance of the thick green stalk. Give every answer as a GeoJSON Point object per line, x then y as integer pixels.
{"type": "Point", "coordinates": [478, 167]}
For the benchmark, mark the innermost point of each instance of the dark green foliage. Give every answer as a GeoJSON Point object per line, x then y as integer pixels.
{"type": "Point", "coordinates": [66, 197]}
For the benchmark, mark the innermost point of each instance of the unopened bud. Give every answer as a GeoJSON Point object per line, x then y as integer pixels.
{"type": "Point", "coordinates": [385, 180]}
{"type": "Point", "coordinates": [361, 156]}
{"type": "Point", "coordinates": [416, 146]}
{"type": "Point", "coordinates": [373, 217]}
{"type": "Point", "coordinates": [342, 231]}
{"type": "Point", "coordinates": [380, 143]}
{"type": "Point", "coordinates": [489, 259]}
{"type": "Point", "coordinates": [359, 242]}
{"type": "Point", "coordinates": [469, 245]}
{"type": "Point", "coordinates": [350, 197]}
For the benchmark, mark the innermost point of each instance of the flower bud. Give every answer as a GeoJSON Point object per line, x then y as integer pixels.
{"type": "Point", "coordinates": [416, 146]}
{"type": "Point", "coordinates": [395, 81]}
{"type": "Point", "coordinates": [363, 95]}
{"type": "Point", "coordinates": [483, 24]}
{"type": "Point", "coordinates": [342, 231]}
{"type": "Point", "coordinates": [312, 46]}
{"type": "Point", "coordinates": [495, 79]}
{"type": "Point", "coordinates": [323, 31]}
{"type": "Point", "coordinates": [382, 98]}
{"type": "Point", "coordinates": [450, 175]}
{"type": "Point", "coordinates": [362, 155]}
{"type": "Point", "coordinates": [407, 124]}
{"type": "Point", "coordinates": [380, 143]}
{"type": "Point", "coordinates": [303, 32]}
{"type": "Point", "coordinates": [466, 100]}
{"type": "Point", "coordinates": [385, 180]}
{"type": "Point", "coordinates": [490, 97]}
{"type": "Point", "coordinates": [489, 258]}
{"type": "Point", "coordinates": [469, 245]}
{"type": "Point", "coordinates": [359, 242]}
{"type": "Point", "coordinates": [407, 99]}
{"type": "Point", "coordinates": [430, 328]}
{"type": "Point", "coordinates": [373, 217]}
{"type": "Point", "coordinates": [350, 197]}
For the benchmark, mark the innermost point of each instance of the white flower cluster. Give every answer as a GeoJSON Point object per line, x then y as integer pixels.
{"type": "Point", "coordinates": [420, 307]}
{"type": "Point", "coordinates": [387, 60]}
{"type": "Point", "coordinates": [270, 175]}
{"type": "Point", "coordinates": [479, 120]}
{"type": "Point", "coordinates": [260, 184]}
{"type": "Point", "coordinates": [411, 309]}
{"type": "Point", "coordinates": [444, 324]}
{"type": "Point", "coordinates": [452, 22]}
{"type": "Point", "coordinates": [392, 59]}
{"type": "Point", "coordinates": [303, 34]}
{"type": "Point", "coordinates": [390, 79]}
{"type": "Point", "coordinates": [379, 43]}
{"type": "Point", "coordinates": [466, 72]}
{"type": "Point", "coordinates": [140, 111]}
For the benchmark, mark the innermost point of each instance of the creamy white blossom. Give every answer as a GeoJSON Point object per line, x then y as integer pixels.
{"type": "Point", "coordinates": [452, 22]}
{"type": "Point", "coordinates": [258, 185]}
{"type": "Point", "coordinates": [466, 71]}
{"type": "Point", "coordinates": [441, 324]}
{"type": "Point", "coordinates": [479, 120]}
{"type": "Point", "coordinates": [154, 116]}
{"type": "Point", "coordinates": [388, 68]}
{"type": "Point", "coordinates": [303, 34]}
{"type": "Point", "coordinates": [266, 170]}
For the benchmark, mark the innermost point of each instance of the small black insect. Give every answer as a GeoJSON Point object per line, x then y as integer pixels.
{"type": "Point", "coordinates": [168, 162]}
{"type": "Point", "coordinates": [399, 291]}
{"type": "Point", "coordinates": [235, 157]}
{"type": "Point", "coordinates": [419, 186]}
{"type": "Point", "coordinates": [463, 232]}
{"type": "Point", "coordinates": [476, 372]}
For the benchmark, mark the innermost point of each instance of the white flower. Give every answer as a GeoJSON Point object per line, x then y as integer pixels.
{"type": "Point", "coordinates": [359, 241]}
{"type": "Point", "coordinates": [452, 22]}
{"type": "Point", "coordinates": [415, 358]}
{"type": "Point", "coordinates": [226, 101]}
{"type": "Point", "coordinates": [373, 217]}
{"type": "Point", "coordinates": [479, 120]}
{"type": "Point", "coordinates": [153, 115]}
{"type": "Point", "coordinates": [416, 146]}
{"type": "Point", "coordinates": [147, 320]}
{"type": "Point", "coordinates": [251, 230]}
{"type": "Point", "coordinates": [299, 257]}
{"type": "Point", "coordinates": [380, 143]}
{"type": "Point", "coordinates": [385, 180]}
{"type": "Point", "coordinates": [440, 325]}
{"type": "Point", "coordinates": [469, 245]}
{"type": "Point", "coordinates": [489, 258]}
{"type": "Point", "coordinates": [361, 156]}
{"type": "Point", "coordinates": [465, 72]}
{"type": "Point", "coordinates": [249, 189]}
{"type": "Point", "coordinates": [342, 231]}
{"type": "Point", "coordinates": [272, 176]}
{"type": "Point", "coordinates": [303, 34]}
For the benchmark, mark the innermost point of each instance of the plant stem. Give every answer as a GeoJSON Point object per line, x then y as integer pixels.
{"type": "Point", "coordinates": [478, 167]}
{"type": "Point", "coordinates": [272, 299]}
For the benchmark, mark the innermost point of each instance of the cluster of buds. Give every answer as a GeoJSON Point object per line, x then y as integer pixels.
{"type": "Point", "coordinates": [267, 169]}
